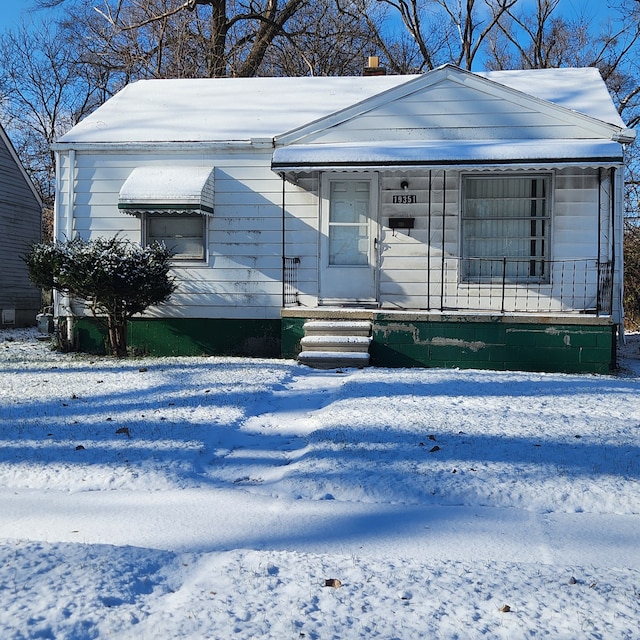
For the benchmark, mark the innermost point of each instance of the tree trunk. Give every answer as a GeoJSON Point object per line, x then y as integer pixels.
{"type": "Point", "coordinates": [271, 26]}
{"type": "Point", "coordinates": [117, 337]}
{"type": "Point", "coordinates": [216, 59]}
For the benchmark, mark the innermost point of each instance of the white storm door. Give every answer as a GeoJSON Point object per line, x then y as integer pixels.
{"type": "Point", "coordinates": [348, 239]}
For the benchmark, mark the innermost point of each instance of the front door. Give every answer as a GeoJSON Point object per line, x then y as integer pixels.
{"type": "Point", "coordinates": [348, 239]}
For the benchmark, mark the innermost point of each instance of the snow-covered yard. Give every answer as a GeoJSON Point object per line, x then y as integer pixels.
{"type": "Point", "coordinates": [226, 498]}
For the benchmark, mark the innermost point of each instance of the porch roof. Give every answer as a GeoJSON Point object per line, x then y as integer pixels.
{"type": "Point", "coordinates": [447, 153]}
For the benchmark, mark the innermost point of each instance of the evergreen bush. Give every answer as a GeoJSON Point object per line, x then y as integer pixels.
{"type": "Point", "coordinates": [115, 278]}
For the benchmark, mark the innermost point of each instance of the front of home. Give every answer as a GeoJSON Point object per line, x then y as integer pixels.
{"type": "Point", "coordinates": [446, 219]}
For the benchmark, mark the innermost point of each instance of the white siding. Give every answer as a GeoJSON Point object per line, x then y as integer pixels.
{"type": "Point", "coordinates": [405, 254]}
{"type": "Point", "coordinates": [449, 111]}
{"type": "Point", "coordinates": [575, 219]}
{"type": "Point", "coordinates": [302, 240]}
{"type": "Point", "coordinates": [242, 275]}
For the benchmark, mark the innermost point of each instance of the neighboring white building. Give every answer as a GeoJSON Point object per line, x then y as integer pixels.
{"type": "Point", "coordinates": [467, 219]}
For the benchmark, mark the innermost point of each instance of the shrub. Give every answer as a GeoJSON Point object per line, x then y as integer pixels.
{"type": "Point", "coordinates": [116, 278]}
{"type": "Point", "coordinates": [632, 276]}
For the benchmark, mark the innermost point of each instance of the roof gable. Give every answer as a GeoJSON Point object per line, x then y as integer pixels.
{"type": "Point", "coordinates": [10, 149]}
{"type": "Point", "coordinates": [451, 104]}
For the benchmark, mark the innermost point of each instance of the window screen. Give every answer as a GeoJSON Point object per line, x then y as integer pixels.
{"type": "Point", "coordinates": [182, 234]}
{"type": "Point", "coordinates": [505, 226]}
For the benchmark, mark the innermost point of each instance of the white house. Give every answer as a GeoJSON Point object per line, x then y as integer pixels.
{"type": "Point", "coordinates": [445, 219]}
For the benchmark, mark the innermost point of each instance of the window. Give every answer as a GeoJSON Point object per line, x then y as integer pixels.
{"type": "Point", "coordinates": [505, 227]}
{"type": "Point", "coordinates": [349, 222]}
{"type": "Point", "coordinates": [173, 204]}
{"type": "Point", "coordinates": [183, 234]}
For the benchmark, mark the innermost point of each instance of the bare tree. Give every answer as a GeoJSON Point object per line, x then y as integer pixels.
{"type": "Point", "coordinates": [177, 38]}
{"type": "Point", "coordinates": [109, 43]}
{"type": "Point", "coordinates": [442, 30]}
{"type": "Point", "coordinates": [472, 26]}
{"type": "Point", "coordinates": [45, 93]}
{"type": "Point", "coordinates": [409, 35]}
{"type": "Point", "coordinates": [322, 39]}
{"type": "Point", "coordinates": [546, 38]}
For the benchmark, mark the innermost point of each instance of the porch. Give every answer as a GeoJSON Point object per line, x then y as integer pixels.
{"type": "Point", "coordinates": [559, 342]}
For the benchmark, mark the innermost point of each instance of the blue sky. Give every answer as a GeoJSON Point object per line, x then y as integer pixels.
{"type": "Point", "coordinates": [10, 10]}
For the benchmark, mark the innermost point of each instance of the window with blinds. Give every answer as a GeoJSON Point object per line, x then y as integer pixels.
{"type": "Point", "coordinates": [184, 234]}
{"type": "Point", "coordinates": [505, 228]}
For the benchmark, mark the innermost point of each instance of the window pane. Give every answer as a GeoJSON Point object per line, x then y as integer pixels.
{"type": "Point", "coordinates": [504, 227]}
{"type": "Point", "coordinates": [349, 201]}
{"type": "Point", "coordinates": [349, 245]}
{"type": "Point", "coordinates": [505, 197]}
{"type": "Point", "coordinates": [182, 234]}
{"type": "Point", "coordinates": [177, 226]}
{"type": "Point", "coordinates": [349, 222]}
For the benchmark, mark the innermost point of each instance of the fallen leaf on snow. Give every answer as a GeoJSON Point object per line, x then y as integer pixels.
{"type": "Point", "coordinates": [332, 582]}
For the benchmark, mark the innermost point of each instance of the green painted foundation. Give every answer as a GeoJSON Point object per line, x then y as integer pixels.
{"type": "Point", "coordinates": [517, 343]}
{"type": "Point", "coordinates": [573, 345]}
{"type": "Point", "coordinates": [292, 333]}
{"type": "Point", "coordinates": [500, 346]}
{"type": "Point", "coordinates": [188, 337]}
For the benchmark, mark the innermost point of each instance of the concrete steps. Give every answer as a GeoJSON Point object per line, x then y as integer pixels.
{"type": "Point", "coordinates": [331, 344]}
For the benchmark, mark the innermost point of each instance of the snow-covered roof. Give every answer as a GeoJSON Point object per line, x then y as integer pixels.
{"type": "Point", "coordinates": [242, 109]}
{"type": "Point", "coordinates": [221, 109]}
{"type": "Point", "coordinates": [555, 153]}
{"type": "Point", "coordinates": [579, 89]}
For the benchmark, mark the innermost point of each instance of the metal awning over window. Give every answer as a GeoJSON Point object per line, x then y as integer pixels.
{"type": "Point", "coordinates": [168, 190]}
{"type": "Point", "coordinates": [446, 153]}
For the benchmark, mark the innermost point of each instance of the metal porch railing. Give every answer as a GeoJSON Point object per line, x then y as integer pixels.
{"type": "Point", "coordinates": [529, 286]}
{"type": "Point", "coordinates": [503, 285]}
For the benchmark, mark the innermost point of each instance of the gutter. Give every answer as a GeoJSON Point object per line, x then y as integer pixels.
{"type": "Point", "coordinates": [625, 136]}
{"type": "Point", "coordinates": [166, 145]}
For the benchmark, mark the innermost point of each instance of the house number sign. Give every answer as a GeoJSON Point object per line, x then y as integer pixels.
{"type": "Point", "coordinates": [404, 199]}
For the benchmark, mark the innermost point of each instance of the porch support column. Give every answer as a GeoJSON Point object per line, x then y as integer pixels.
{"type": "Point", "coordinates": [444, 219]}
{"type": "Point", "coordinates": [284, 254]}
{"type": "Point", "coordinates": [429, 240]}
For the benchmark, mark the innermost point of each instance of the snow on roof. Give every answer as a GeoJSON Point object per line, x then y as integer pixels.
{"type": "Point", "coordinates": [222, 109]}
{"type": "Point", "coordinates": [579, 89]}
{"type": "Point", "coordinates": [439, 153]}
{"type": "Point", "coordinates": [241, 109]}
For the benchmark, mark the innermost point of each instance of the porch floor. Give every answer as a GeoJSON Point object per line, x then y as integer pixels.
{"type": "Point", "coordinates": [416, 315]}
